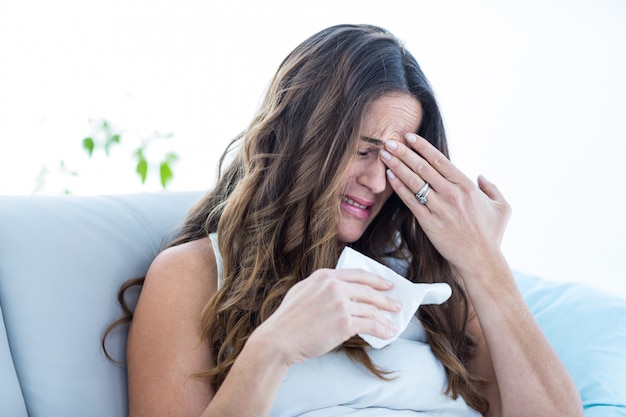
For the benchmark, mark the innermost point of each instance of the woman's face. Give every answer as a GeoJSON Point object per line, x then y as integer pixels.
{"type": "Point", "coordinates": [365, 188]}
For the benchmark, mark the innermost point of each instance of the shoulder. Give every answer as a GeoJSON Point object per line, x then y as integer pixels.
{"type": "Point", "coordinates": [191, 264]}
{"type": "Point", "coordinates": [194, 254]}
{"type": "Point", "coordinates": [165, 342]}
{"type": "Point", "coordinates": [179, 283]}
{"type": "Point", "coordinates": [180, 280]}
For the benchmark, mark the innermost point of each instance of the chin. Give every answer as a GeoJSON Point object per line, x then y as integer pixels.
{"type": "Point", "coordinates": [350, 236]}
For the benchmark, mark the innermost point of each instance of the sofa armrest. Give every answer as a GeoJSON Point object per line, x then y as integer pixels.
{"type": "Point", "coordinates": [62, 260]}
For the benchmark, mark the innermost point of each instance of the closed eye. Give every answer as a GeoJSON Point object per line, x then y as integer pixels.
{"type": "Point", "coordinates": [368, 151]}
{"type": "Point", "coordinates": [372, 146]}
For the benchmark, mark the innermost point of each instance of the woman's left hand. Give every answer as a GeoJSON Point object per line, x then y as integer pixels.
{"type": "Point", "coordinates": [464, 221]}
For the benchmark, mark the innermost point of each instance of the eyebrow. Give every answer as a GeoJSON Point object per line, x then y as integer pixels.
{"type": "Point", "coordinates": [373, 141]}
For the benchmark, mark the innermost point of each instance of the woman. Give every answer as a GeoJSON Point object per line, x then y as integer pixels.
{"type": "Point", "coordinates": [245, 315]}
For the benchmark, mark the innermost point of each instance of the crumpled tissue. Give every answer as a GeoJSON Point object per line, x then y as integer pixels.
{"type": "Point", "coordinates": [410, 295]}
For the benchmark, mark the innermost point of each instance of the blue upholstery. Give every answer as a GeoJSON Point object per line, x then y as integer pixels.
{"type": "Point", "coordinates": [63, 258]}
{"type": "Point", "coordinates": [587, 329]}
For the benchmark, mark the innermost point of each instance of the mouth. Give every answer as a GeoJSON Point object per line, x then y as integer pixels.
{"type": "Point", "coordinates": [351, 202]}
{"type": "Point", "coordinates": [356, 209]}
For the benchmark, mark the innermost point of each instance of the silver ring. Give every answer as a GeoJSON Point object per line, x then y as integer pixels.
{"type": "Point", "coordinates": [423, 193]}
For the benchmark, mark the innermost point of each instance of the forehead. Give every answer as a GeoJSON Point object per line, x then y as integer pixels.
{"type": "Point", "coordinates": [391, 117]}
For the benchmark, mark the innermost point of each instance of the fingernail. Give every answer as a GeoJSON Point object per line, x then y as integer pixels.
{"type": "Point", "coordinates": [391, 144]}
{"type": "Point", "coordinates": [391, 175]}
{"type": "Point", "coordinates": [386, 155]}
{"type": "Point", "coordinates": [411, 137]}
{"type": "Point", "coordinates": [397, 305]}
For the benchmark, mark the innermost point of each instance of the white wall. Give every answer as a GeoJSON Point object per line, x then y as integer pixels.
{"type": "Point", "coordinates": [532, 91]}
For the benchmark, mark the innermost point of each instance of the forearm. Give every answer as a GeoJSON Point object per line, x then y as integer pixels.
{"type": "Point", "coordinates": [531, 378]}
{"type": "Point", "coordinates": [252, 383]}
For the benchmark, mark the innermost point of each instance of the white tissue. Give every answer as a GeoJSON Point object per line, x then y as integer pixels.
{"type": "Point", "coordinates": [407, 293]}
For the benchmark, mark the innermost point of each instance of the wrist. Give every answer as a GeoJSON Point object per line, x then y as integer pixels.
{"type": "Point", "coordinates": [263, 342]}
{"type": "Point", "coordinates": [482, 264]}
{"type": "Point", "coordinates": [257, 372]}
{"type": "Point", "coordinates": [490, 270]}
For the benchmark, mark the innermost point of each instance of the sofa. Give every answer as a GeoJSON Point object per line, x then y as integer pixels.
{"type": "Point", "coordinates": [63, 258]}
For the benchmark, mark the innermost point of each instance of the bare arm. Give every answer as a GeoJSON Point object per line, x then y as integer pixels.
{"type": "Point", "coordinates": [527, 376]}
{"type": "Point", "coordinates": [165, 347]}
{"type": "Point", "coordinates": [466, 223]}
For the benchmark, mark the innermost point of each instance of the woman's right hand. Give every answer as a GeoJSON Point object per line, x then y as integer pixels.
{"type": "Point", "coordinates": [326, 309]}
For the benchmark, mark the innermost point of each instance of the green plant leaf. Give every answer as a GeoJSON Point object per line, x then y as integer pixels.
{"type": "Point", "coordinates": [166, 174]}
{"type": "Point", "coordinates": [171, 157]}
{"type": "Point", "coordinates": [142, 169]}
{"type": "Point", "coordinates": [88, 145]}
{"type": "Point", "coordinates": [110, 141]}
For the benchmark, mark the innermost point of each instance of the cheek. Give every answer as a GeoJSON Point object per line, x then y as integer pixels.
{"type": "Point", "coordinates": [348, 179]}
{"type": "Point", "coordinates": [346, 185]}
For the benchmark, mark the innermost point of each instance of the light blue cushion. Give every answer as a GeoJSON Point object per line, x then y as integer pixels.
{"type": "Point", "coordinates": [62, 260]}
{"type": "Point", "coordinates": [11, 401]}
{"type": "Point", "coordinates": [587, 329]}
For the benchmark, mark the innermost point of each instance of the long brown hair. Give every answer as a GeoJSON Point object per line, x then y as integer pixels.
{"type": "Point", "coordinates": [275, 204]}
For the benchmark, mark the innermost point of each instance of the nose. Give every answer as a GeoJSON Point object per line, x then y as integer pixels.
{"type": "Point", "coordinates": [374, 177]}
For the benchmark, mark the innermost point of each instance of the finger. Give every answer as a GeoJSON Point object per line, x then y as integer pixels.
{"type": "Point", "coordinates": [360, 276]}
{"type": "Point", "coordinates": [411, 168]}
{"type": "Point", "coordinates": [359, 286]}
{"type": "Point", "coordinates": [490, 189]}
{"type": "Point", "coordinates": [368, 311]}
{"type": "Point", "coordinates": [407, 195]}
{"type": "Point", "coordinates": [376, 328]}
{"type": "Point", "coordinates": [369, 296]}
{"type": "Point", "coordinates": [407, 165]}
{"type": "Point", "coordinates": [435, 158]}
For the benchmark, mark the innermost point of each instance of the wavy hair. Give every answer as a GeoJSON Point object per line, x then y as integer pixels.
{"type": "Point", "coordinates": [275, 203]}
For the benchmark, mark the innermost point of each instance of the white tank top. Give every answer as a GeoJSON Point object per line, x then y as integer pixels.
{"type": "Point", "coordinates": [333, 385]}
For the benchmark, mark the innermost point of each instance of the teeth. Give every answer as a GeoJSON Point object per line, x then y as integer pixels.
{"type": "Point", "coordinates": [353, 203]}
